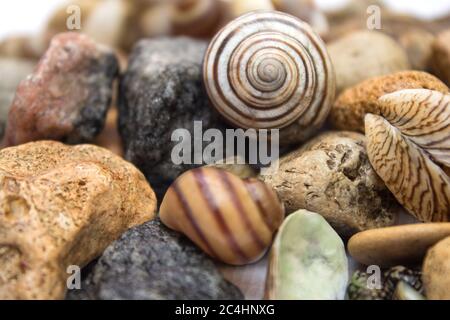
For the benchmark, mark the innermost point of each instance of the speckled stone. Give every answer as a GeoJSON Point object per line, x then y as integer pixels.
{"type": "Point", "coordinates": [162, 91]}
{"type": "Point", "coordinates": [152, 262]}
{"type": "Point", "coordinates": [67, 96]}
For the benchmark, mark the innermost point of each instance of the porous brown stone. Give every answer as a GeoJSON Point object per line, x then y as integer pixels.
{"type": "Point", "coordinates": [332, 175]}
{"type": "Point", "coordinates": [352, 105]}
{"type": "Point", "coordinates": [61, 206]}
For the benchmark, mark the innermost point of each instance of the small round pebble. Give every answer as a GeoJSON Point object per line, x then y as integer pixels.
{"type": "Point", "coordinates": [404, 244]}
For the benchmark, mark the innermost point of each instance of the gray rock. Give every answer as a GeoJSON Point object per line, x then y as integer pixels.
{"type": "Point", "coordinates": [162, 91]}
{"type": "Point", "coordinates": [155, 263]}
{"type": "Point", "coordinates": [12, 72]}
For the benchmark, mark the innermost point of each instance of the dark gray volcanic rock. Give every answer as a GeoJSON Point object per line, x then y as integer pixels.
{"type": "Point", "coordinates": [153, 262]}
{"type": "Point", "coordinates": [162, 91]}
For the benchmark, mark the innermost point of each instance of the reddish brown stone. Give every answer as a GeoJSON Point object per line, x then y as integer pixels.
{"type": "Point", "coordinates": [67, 96]}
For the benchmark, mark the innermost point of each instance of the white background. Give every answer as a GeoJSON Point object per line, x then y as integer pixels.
{"type": "Point", "coordinates": [29, 16]}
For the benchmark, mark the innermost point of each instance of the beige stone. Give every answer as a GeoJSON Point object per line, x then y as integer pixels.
{"type": "Point", "coordinates": [397, 245]}
{"type": "Point", "coordinates": [331, 175]}
{"type": "Point", "coordinates": [61, 206]}
{"type": "Point", "coordinates": [418, 46]}
{"type": "Point", "coordinates": [364, 54]}
{"type": "Point", "coordinates": [436, 270]}
{"type": "Point", "coordinates": [441, 56]}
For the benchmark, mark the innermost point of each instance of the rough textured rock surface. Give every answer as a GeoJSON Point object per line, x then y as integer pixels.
{"type": "Point", "coordinates": [62, 206]}
{"type": "Point", "coordinates": [436, 268]}
{"type": "Point", "coordinates": [352, 105]}
{"type": "Point", "coordinates": [332, 175]}
{"type": "Point", "coordinates": [364, 54]}
{"type": "Point", "coordinates": [13, 71]}
{"type": "Point", "coordinates": [155, 263]}
{"type": "Point", "coordinates": [67, 96]}
{"type": "Point", "coordinates": [160, 92]}
{"type": "Point", "coordinates": [441, 56]}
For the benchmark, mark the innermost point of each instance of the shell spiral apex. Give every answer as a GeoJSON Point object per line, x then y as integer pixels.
{"type": "Point", "coordinates": [269, 70]}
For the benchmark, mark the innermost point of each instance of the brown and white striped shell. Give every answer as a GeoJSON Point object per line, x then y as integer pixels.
{"type": "Point", "coordinates": [231, 219]}
{"type": "Point", "coordinates": [409, 147]}
{"type": "Point", "coordinates": [197, 18]}
{"type": "Point", "coordinates": [269, 70]}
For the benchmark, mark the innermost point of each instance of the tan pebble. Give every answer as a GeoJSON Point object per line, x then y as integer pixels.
{"type": "Point", "coordinates": [364, 54]}
{"type": "Point", "coordinates": [29, 47]}
{"type": "Point", "coordinates": [436, 271]}
{"type": "Point", "coordinates": [418, 46]}
{"type": "Point", "coordinates": [155, 21]}
{"type": "Point", "coordinates": [107, 22]}
{"type": "Point", "coordinates": [57, 21]}
{"type": "Point", "coordinates": [441, 56]}
{"type": "Point", "coordinates": [61, 206]}
{"type": "Point", "coordinates": [351, 105]}
{"type": "Point", "coordinates": [398, 245]}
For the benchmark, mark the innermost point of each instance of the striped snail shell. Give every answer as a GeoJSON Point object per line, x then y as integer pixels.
{"type": "Point", "coordinates": [231, 219]}
{"type": "Point", "coordinates": [269, 70]}
{"type": "Point", "coordinates": [408, 145]}
{"type": "Point", "coordinates": [197, 18]}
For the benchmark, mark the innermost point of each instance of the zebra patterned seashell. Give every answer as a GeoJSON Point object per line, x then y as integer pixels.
{"type": "Point", "coordinates": [231, 219]}
{"type": "Point", "coordinates": [269, 70]}
{"type": "Point", "coordinates": [408, 144]}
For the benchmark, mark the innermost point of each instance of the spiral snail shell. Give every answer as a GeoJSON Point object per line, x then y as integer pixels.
{"type": "Point", "coordinates": [231, 219]}
{"type": "Point", "coordinates": [267, 70]}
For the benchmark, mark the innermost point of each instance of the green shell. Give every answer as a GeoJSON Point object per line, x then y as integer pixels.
{"type": "Point", "coordinates": [308, 260]}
